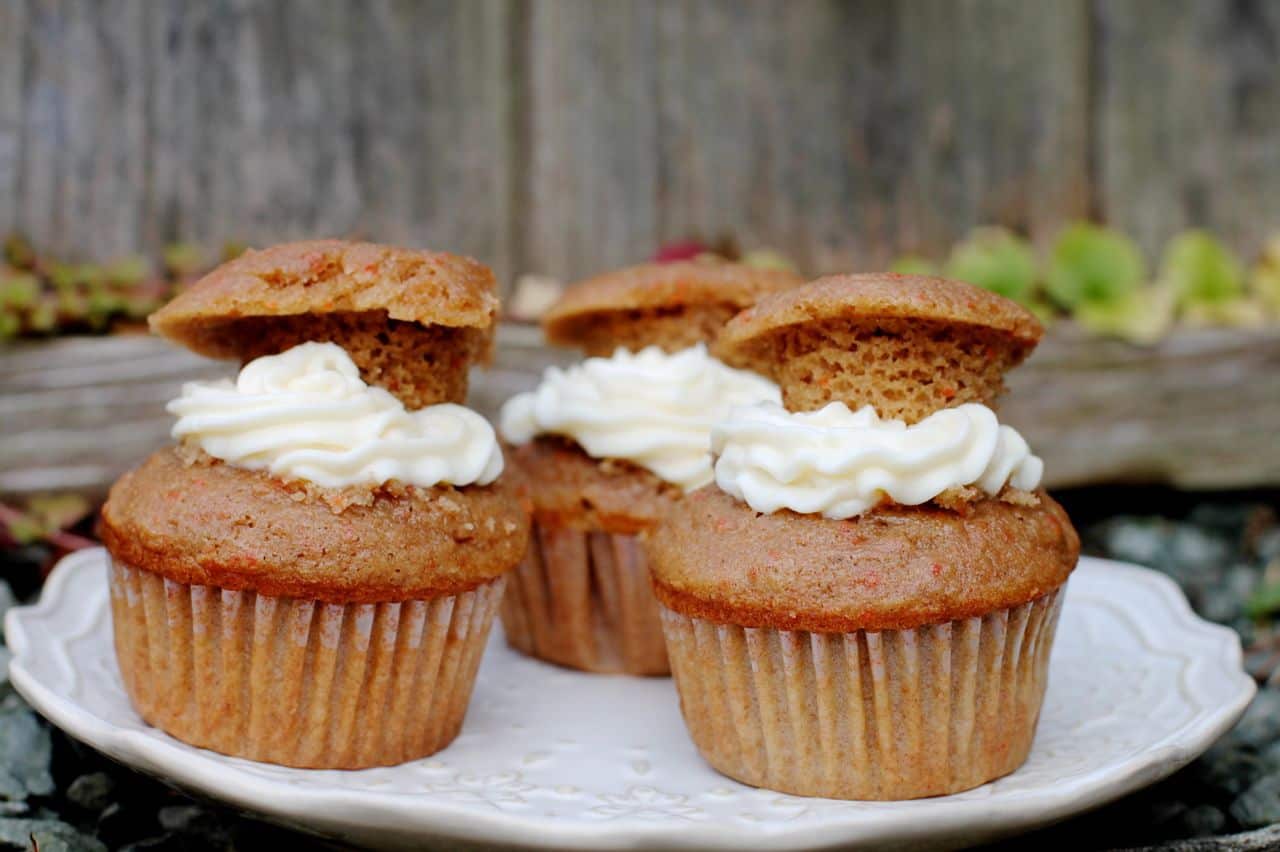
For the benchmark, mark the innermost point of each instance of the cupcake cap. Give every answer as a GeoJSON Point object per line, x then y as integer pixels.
{"type": "Point", "coordinates": [413, 321]}
{"type": "Point", "coordinates": [907, 345]}
{"type": "Point", "coordinates": [671, 305]}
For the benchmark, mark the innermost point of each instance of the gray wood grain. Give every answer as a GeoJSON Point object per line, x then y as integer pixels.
{"type": "Point", "coordinates": [568, 136]}
{"type": "Point", "coordinates": [129, 123]}
{"type": "Point", "coordinates": [1188, 118]}
{"type": "Point", "coordinates": [836, 132]}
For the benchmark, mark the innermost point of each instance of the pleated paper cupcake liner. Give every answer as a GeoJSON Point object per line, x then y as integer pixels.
{"type": "Point", "coordinates": [583, 599]}
{"type": "Point", "coordinates": [299, 682]}
{"type": "Point", "coordinates": [896, 714]}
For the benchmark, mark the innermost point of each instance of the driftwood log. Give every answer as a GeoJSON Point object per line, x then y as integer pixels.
{"type": "Point", "coordinates": [1201, 410]}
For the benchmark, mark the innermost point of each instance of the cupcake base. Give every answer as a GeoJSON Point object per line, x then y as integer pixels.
{"type": "Point", "coordinates": [896, 714]}
{"type": "Point", "coordinates": [299, 682]}
{"type": "Point", "coordinates": [583, 599]}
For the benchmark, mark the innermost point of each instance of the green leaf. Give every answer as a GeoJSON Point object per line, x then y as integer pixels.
{"type": "Point", "coordinates": [64, 276]}
{"type": "Point", "coordinates": [996, 260]}
{"type": "Point", "coordinates": [18, 289]}
{"type": "Point", "coordinates": [183, 260]}
{"type": "Point", "coordinates": [1200, 269]}
{"type": "Point", "coordinates": [26, 529]}
{"type": "Point", "coordinates": [1264, 282]}
{"type": "Point", "coordinates": [58, 511]}
{"type": "Point", "coordinates": [1093, 264]}
{"type": "Point", "coordinates": [1142, 317]}
{"type": "Point", "coordinates": [43, 317]}
{"type": "Point", "coordinates": [232, 249]}
{"type": "Point", "coordinates": [127, 271]}
{"type": "Point", "coordinates": [18, 251]}
{"type": "Point", "coordinates": [910, 264]}
{"type": "Point", "coordinates": [1239, 313]}
{"type": "Point", "coordinates": [10, 324]}
{"type": "Point", "coordinates": [1264, 602]}
{"type": "Point", "coordinates": [768, 259]}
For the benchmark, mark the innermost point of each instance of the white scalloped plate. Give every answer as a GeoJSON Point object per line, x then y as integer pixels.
{"type": "Point", "coordinates": [549, 758]}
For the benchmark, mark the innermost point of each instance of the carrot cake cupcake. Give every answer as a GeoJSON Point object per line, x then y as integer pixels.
{"type": "Point", "coordinates": [862, 605]}
{"type": "Point", "coordinates": [606, 446]}
{"type": "Point", "coordinates": [308, 577]}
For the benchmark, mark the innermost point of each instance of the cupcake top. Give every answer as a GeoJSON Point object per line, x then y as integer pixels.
{"type": "Point", "coordinates": [886, 494]}
{"type": "Point", "coordinates": [196, 519]}
{"type": "Point", "coordinates": [896, 567]}
{"type": "Point", "coordinates": [906, 345]}
{"type": "Point", "coordinates": [669, 305]}
{"type": "Point", "coordinates": [650, 391]}
{"type": "Point", "coordinates": [413, 321]}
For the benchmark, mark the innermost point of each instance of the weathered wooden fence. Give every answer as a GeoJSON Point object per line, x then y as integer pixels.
{"type": "Point", "coordinates": [564, 136]}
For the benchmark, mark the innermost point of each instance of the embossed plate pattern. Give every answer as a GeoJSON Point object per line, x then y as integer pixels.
{"type": "Point", "coordinates": [554, 759]}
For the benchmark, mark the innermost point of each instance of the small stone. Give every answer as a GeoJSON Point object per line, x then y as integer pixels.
{"type": "Point", "coordinates": [11, 788]}
{"type": "Point", "coordinates": [49, 835]}
{"type": "Point", "coordinates": [1259, 805]}
{"type": "Point", "coordinates": [1203, 821]}
{"type": "Point", "coordinates": [1224, 601]}
{"type": "Point", "coordinates": [1140, 540]}
{"type": "Point", "coordinates": [1199, 549]}
{"type": "Point", "coordinates": [1227, 518]}
{"type": "Point", "coordinates": [91, 792]}
{"type": "Point", "coordinates": [181, 817]}
{"type": "Point", "coordinates": [7, 599]}
{"type": "Point", "coordinates": [1268, 545]}
{"type": "Point", "coordinates": [159, 843]}
{"type": "Point", "coordinates": [1229, 768]}
{"type": "Point", "coordinates": [26, 750]}
{"type": "Point", "coordinates": [1260, 725]}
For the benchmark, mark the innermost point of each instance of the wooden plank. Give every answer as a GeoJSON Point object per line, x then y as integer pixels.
{"type": "Point", "coordinates": [589, 174]}
{"type": "Point", "coordinates": [836, 132]}
{"type": "Point", "coordinates": [140, 123]}
{"type": "Point", "coordinates": [13, 28]}
{"type": "Point", "coordinates": [78, 412]}
{"type": "Point", "coordinates": [1188, 125]}
{"type": "Point", "coordinates": [1200, 410]}
{"type": "Point", "coordinates": [998, 90]}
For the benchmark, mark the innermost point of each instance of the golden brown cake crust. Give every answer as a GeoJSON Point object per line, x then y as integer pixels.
{"type": "Point", "coordinates": [672, 305]}
{"type": "Point", "coordinates": [895, 568]}
{"type": "Point", "coordinates": [196, 520]}
{"type": "Point", "coordinates": [328, 276]}
{"type": "Point", "coordinates": [568, 488]}
{"type": "Point", "coordinates": [884, 296]}
{"type": "Point", "coordinates": [906, 345]}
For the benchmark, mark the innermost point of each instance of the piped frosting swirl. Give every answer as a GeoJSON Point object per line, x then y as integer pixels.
{"type": "Point", "coordinates": [650, 408]}
{"type": "Point", "coordinates": [840, 463]}
{"type": "Point", "coordinates": [306, 414]}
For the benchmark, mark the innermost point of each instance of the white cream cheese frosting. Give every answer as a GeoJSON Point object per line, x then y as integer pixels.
{"type": "Point", "coordinates": [306, 413]}
{"type": "Point", "coordinates": [649, 407]}
{"type": "Point", "coordinates": [840, 463]}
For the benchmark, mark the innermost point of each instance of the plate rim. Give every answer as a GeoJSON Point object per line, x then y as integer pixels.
{"type": "Point", "coordinates": [191, 769]}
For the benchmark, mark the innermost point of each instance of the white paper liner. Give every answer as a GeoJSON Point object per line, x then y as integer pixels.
{"type": "Point", "coordinates": [583, 599]}
{"type": "Point", "coordinates": [896, 714]}
{"type": "Point", "coordinates": [299, 682]}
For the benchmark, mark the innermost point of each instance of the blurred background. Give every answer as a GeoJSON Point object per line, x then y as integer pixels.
{"type": "Point", "coordinates": [569, 136]}
{"type": "Point", "coordinates": [1112, 164]}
